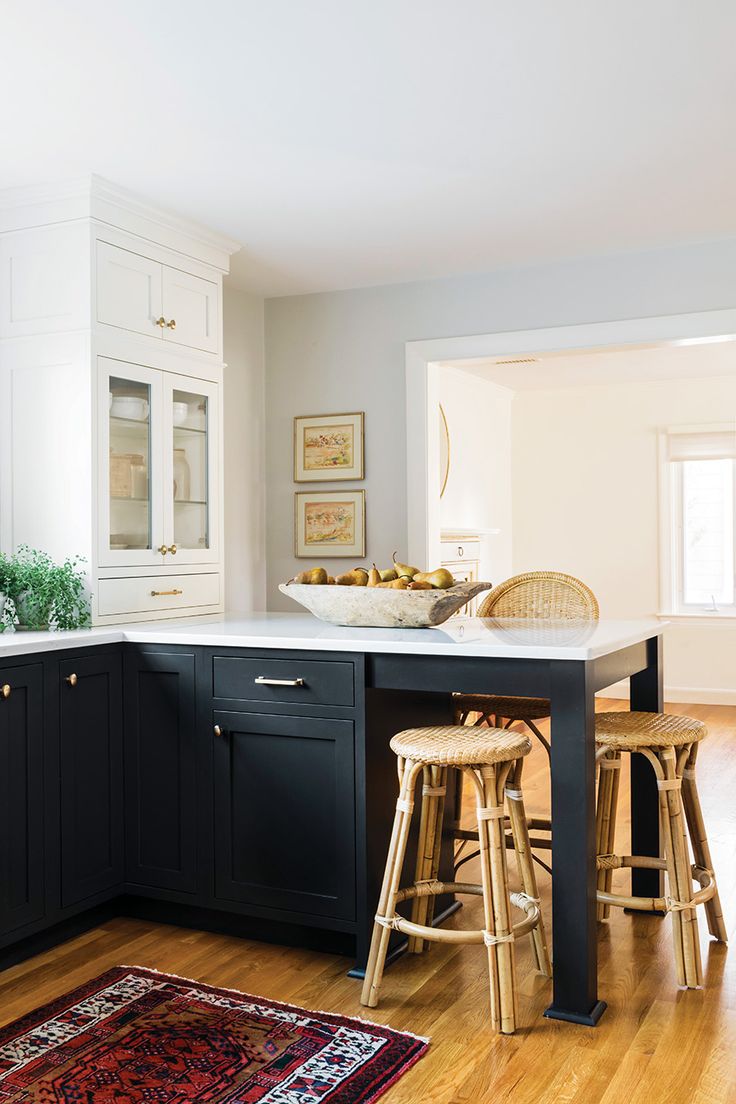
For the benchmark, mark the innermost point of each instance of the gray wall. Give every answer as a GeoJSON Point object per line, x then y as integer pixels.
{"type": "Point", "coordinates": [244, 420]}
{"type": "Point", "coordinates": [344, 351]}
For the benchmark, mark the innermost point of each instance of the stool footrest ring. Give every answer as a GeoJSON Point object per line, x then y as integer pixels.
{"type": "Point", "coordinates": [530, 906]}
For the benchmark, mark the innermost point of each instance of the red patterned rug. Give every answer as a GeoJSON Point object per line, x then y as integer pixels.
{"type": "Point", "coordinates": [133, 1035]}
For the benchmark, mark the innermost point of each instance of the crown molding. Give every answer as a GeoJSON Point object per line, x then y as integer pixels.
{"type": "Point", "coordinates": [94, 197]}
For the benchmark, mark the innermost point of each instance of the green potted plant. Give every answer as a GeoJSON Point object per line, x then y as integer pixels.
{"type": "Point", "coordinates": [41, 594]}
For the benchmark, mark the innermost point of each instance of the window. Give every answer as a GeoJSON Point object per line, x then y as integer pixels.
{"type": "Point", "coordinates": [699, 521]}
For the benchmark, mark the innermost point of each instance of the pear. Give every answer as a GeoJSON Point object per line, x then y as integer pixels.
{"type": "Point", "coordinates": [374, 576]}
{"type": "Point", "coordinates": [357, 577]}
{"type": "Point", "coordinates": [419, 584]}
{"type": "Point", "coordinates": [302, 578]}
{"type": "Point", "coordinates": [331, 580]}
{"type": "Point", "coordinates": [388, 575]}
{"type": "Point", "coordinates": [318, 576]}
{"type": "Point", "coordinates": [440, 578]}
{"type": "Point", "coordinates": [404, 569]}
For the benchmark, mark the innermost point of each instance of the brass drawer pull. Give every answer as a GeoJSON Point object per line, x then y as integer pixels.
{"type": "Point", "coordinates": [5, 690]}
{"type": "Point", "coordinates": [163, 549]}
{"type": "Point", "coordinates": [218, 731]}
{"type": "Point", "coordinates": [159, 322]}
{"type": "Point", "coordinates": [171, 325]}
{"type": "Point", "coordinates": [263, 681]}
{"type": "Point", "coordinates": [164, 593]}
{"type": "Point", "coordinates": [72, 679]}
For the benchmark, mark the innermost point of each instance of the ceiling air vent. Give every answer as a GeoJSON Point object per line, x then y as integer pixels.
{"type": "Point", "coordinates": [518, 360]}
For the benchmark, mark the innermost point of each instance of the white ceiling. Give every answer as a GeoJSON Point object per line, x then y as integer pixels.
{"type": "Point", "coordinates": [353, 142]}
{"type": "Point", "coordinates": [601, 367]}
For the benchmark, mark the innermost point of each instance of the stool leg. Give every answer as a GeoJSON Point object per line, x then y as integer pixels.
{"type": "Point", "coordinates": [497, 905]}
{"type": "Point", "coordinates": [679, 875]}
{"type": "Point", "coordinates": [522, 847]}
{"type": "Point", "coordinates": [439, 775]}
{"type": "Point", "coordinates": [391, 877]}
{"type": "Point", "coordinates": [606, 809]}
{"type": "Point", "coordinates": [699, 841]}
{"type": "Point", "coordinates": [430, 837]}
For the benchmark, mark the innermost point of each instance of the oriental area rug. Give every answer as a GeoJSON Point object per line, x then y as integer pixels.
{"type": "Point", "coordinates": [134, 1036]}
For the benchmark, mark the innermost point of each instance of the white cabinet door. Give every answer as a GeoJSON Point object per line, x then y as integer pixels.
{"type": "Point", "coordinates": [191, 469]}
{"type": "Point", "coordinates": [191, 309]}
{"type": "Point", "coordinates": [130, 469]}
{"type": "Point", "coordinates": [128, 290]}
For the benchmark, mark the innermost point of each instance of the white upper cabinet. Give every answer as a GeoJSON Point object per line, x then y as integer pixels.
{"type": "Point", "coordinates": [157, 300]}
{"type": "Point", "coordinates": [128, 290]}
{"type": "Point", "coordinates": [191, 310]}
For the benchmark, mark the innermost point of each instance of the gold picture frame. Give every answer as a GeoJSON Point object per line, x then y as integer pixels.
{"type": "Point", "coordinates": [329, 447]}
{"type": "Point", "coordinates": [329, 524]}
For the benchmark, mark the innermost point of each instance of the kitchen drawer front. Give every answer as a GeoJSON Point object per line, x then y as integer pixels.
{"type": "Point", "coordinates": [149, 593]}
{"type": "Point", "coordinates": [294, 681]}
{"type": "Point", "coordinates": [460, 550]}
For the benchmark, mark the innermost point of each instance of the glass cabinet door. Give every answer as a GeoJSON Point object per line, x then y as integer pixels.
{"type": "Point", "coordinates": [130, 438]}
{"type": "Point", "coordinates": [192, 420]}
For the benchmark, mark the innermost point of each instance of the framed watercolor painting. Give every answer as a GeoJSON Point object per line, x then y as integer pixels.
{"type": "Point", "coordinates": [329, 523]}
{"type": "Point", "coordinates": [328, 447]}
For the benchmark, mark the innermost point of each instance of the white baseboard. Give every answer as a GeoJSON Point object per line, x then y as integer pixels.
{"type": "Point", "coordinates": [692, 695]}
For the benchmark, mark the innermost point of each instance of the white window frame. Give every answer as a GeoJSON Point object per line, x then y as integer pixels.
{"type": "Point", "coordinates": [672, 604]}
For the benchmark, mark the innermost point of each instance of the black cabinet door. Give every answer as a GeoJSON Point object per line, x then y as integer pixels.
{"type": "Point", "coordinates": [285, 813]}
{"type": "Point", "coordinates": [160, 770]}
{"type": "Point", "coordinates": [91, 759]}
{"type": "Point", "coordinates": [21, 797]}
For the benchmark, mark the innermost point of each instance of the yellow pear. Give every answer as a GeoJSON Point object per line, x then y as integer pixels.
{"type": "Point", "coordinates": [404, 569]}
{"type": "Point", "coordinates": [318, 576]}
{"type": "Point", "coordinates": [440, 578]}
{"type": "Point", "coordinates": [388, 575]}
{"type": "Point", "coordinates": [419, 584]}
{"type": "Point", "coordinates": [374, 576]}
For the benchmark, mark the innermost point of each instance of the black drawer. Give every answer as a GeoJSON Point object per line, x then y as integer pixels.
{"type": "Point", "coordinates": [294, 681]}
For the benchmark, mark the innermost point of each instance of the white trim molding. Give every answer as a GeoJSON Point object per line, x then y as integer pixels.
{"type": "Point", "coordinates": [678, 695]}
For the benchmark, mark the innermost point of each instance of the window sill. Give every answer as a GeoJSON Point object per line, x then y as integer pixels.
{"type": "Point", "coordinates": [703, 618]}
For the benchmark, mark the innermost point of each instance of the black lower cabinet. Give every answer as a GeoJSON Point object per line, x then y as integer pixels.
{"type": "Point", "coordinates": [285, 813]}
{"type": "Point", "coordinates": [91, 762]}
{"type": "Point", "coordinates": [161, 782]}
{"type": "Point", "coordinates": [22, 866]}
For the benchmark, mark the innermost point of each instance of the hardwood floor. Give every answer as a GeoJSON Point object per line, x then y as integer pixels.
{"type": "Point", "coordinates": [654, 1044]}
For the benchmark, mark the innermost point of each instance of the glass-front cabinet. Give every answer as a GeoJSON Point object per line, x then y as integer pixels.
{"type": "Point", "coordinates": [158, 477]}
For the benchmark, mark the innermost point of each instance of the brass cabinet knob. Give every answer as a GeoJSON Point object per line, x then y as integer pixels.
{"type": "Point", "coordinates": [217, 730]}
{"type": "Point", "coordinates": [163, 549]}
{"type": "Point", "coordinates": [172, 549]}
{"type": "Point", "coordinates": [72, 679]}
{"type": "Point", "coordinates": [5, 690]}
{"type": "Point", "coordinates": [171, 324]}
{"type": "Point", "coordinates": [159, 322]}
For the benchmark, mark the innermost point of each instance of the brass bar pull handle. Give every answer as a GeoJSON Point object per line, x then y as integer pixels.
{"type": "Point", "coordinates": [160, 322]}
{"type": "Point", "coordinates": [164, 593]}
{"type": "Point", "coordinates": [72, 679]}
{"type": "Point", "coordinates": [171, 324]}
{"type": "Point", "coordinates": [5, 690]}
{"type": "Point", "coordinates": [263, 681]}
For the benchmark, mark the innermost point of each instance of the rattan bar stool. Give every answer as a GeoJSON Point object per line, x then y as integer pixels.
{"type": "Point", "coordinates": [535, 595]}
{"type": "Point", "coordinates": [670, 743]}
{"type": "Point", "coordinates": [491, 759]}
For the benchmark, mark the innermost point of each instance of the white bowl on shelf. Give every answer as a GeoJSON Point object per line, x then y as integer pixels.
{"type": "Point", "coordinates": [129, 406]}
{"type": "Point", "coordinates": [180, 412]}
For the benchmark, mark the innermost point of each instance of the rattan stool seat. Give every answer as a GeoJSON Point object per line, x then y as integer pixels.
{"type": "Point", "coordinates": [514, 709]}
{"type": "Point", "coordinates": [460, 745]}
{"type": "Point", "coordinates": [652, 730]}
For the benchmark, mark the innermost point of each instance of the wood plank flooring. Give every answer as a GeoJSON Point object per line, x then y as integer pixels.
{"type": "Point", "coordinates": [654, 1044]}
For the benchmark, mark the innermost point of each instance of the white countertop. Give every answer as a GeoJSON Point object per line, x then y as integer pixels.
{"type": "Point", "coordinates": [460, 636]}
